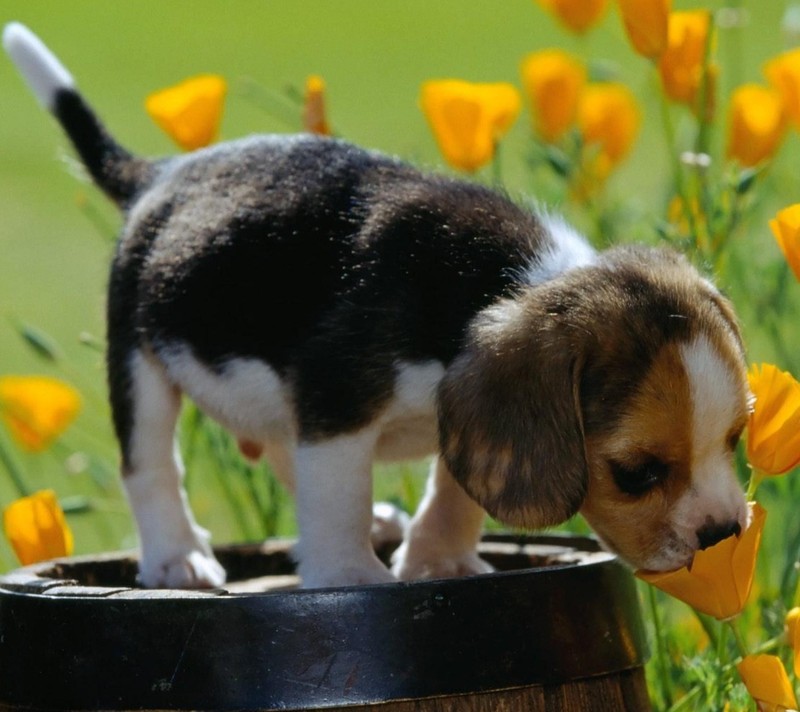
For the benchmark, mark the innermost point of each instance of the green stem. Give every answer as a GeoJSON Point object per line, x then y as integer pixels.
{"type": "Point", "coordinates": [684, 701]}
{"type": "Point", "coordinates": [661, 648]}
{"type": "Point", "coordinates": [722, 643]}
{"type": "Point", "coordinates": [741, 645]}
{"type": "Point", "coordinates": [677, 167]}
{"type": "Point", "coordinates": [497, 167]}
{"type": "Point", "coordinates": [756, 478]}
{"type": "Point", "coordinates": [765, 647]}
{"type": "Point", "coordinates": [14, 471]}
{"type": "Point", "coordinates": [703, 135]}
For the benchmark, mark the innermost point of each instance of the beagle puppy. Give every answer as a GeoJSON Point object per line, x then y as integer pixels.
{"type": "Point", "coordinates": [332, 306]}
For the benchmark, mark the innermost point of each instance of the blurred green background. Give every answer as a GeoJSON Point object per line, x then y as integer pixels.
{"type": "Point", "coordinates": [56, 231]}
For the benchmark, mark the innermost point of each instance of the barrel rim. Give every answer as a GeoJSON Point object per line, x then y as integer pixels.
{"type": "Point", "coordinates": [318, 648]}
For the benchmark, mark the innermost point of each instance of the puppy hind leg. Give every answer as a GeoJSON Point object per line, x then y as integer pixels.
{"type": "Point", "coordinates": [175, 550]}
{"type": "Point", "coordinates": [334, 512]}
{"type": "Point", "coordinates": [443, 536]}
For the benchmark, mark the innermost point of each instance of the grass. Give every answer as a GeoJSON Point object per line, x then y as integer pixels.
{"type": "Point", "coordinates": [56, 232]}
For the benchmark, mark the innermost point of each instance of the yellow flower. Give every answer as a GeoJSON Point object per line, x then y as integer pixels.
{"type": "Point", "coordinates": [786, 228]}
{"type": "Point", "coordinates": [767, 682]}
{"type": "Point", "coordinates": [37, 409]}
{"type": "Point", "coordinates": [719, 579]}
{"type": "Point", "coordinates": [553, 80]}
{"type": "Point", "coordinates": [608, 120]}
{"type": "Point", "coordinates": [756, 124]}
{"type": "Point", "coordinates": [37, 529]}
{"type": "Point", "coordinates": [783, 73]}
{"type": "Point", "coordinates": [468, 119]}
{"type": "Point", "coordinates": [646, 24]}
{"type": "Point", "coordinates": [793, 635]}
{"type": "Point", "coordinates": [576, 15]}
{"type": "Point", "coordinates": [314, 117]}
{"type": "Point", "coordinates": [190, 112]}
{"type": "Point", "coordinates": [681, 63]}
{"type": "Point", "coordinates": [773, 431]}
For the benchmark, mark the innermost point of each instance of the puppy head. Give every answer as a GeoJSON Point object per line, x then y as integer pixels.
{"type": "Point", "coordinates": [618, 390]}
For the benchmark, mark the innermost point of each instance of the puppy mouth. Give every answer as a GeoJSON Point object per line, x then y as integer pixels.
{"type": "Point", "coordinates": [673, 553]}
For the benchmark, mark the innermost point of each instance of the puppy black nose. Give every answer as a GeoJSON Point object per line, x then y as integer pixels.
{"type": "Point", "coordinates": [712, 533]}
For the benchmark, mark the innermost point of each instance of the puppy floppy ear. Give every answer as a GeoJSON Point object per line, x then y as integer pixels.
{"type": "Point", "coordinates": [510, 424]}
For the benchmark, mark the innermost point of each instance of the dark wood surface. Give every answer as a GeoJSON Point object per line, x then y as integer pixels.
{"type": "Point", "coordinates": [557, 628]}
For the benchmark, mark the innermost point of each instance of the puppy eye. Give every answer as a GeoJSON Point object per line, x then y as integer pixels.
{"type": "Point", "coordinates": [639, 479]}
{"type": "Point", "coordinates": [733, 440]}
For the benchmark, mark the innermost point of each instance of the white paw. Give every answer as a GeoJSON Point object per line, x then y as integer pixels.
{"type": "Point", "coordinates": [420, 562]}
{"type": "Point", "coordinates": [360, 574]}
{"type": "Point", "coordinates": [389, 524]}
{"type": "Point", "coordinates": [192, 569]}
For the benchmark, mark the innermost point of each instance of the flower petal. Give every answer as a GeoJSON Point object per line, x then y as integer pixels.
{"type": "Point", "coordinates": [681, 63]}
{"type": "Point", "coordinates": [646, 23]}
{"type": "Point", "coordinates": [720, 578]}
{"type": "Point", "coordinates": [314, 116]}
{"type": "Point", "coordinates": [786, 229]}
{"type": "Point", "coordinates": [793, 634]}
{"type": "Point", "coordinates": [767, 682]}
{"type": "Point", "coordinates": [553, 81]}
{"type": "Point", "coordinates": [756, 124]}
{"type": "Point", "coordinates": [773, 431]}
{"type": "Point", "coordinates": [37, 529]}
{"type": "Point", "coordinates": [190, 112]}
{"type": "Point", "coordinates": [468, 118]}
{"type": "Point", "coordinates": [576, 15]}
{"type": "Point", "coordinates": [37, 409]}
{"type": "Point", "coordinates": [608, 119]}
{"type": "Point", "coordinates": [783, 73]}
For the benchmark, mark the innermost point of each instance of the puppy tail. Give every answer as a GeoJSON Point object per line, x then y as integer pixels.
{"type": "Point", "coordinates": [120, 174]}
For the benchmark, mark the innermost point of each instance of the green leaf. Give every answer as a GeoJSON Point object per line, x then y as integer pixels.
{"type": "Point", "coordinates": [42, 344]}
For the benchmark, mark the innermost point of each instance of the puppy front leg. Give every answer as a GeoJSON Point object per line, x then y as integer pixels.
{"type": "Point", "coordinates": [333, 480]}
{"type": "Point", "coordinates": [443, 536]}
{"type": "Point", "coordinates": [175, 552]}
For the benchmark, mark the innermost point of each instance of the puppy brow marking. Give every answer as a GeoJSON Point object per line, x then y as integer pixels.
{"type": "Point", "coordinates": [717, 405]}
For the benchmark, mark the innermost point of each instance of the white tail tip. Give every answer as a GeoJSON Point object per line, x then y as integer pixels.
{"type": "Point", "coordinates": [37, 64]}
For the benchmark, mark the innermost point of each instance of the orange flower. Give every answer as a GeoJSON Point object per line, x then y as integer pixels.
{"type": "Point", "coordinates": [786, 228]}
{"type": "Point", "coordinates": [646, 24]}
{"type": "Point", "coordinates": [719, 579]}
{"type": "Point", "coordinates": [576, 15]}
{"type": "Point", "coordinates": [468, 119]}
{"type": "Point", "coordinates": [783, 73]}
{"type": "Point", "coordinates": [37, 409]}
{"type": "Point", "coordinates": [314, 118]}
{"type": "Point", "coordinates": [756, 124]}
{"type": "Point", "coordinates": [37, 529]}
{"type": "Point", "coordinates": [793, 635]}
{"type": "Point", "coordinates": [608, 119]}
{"type": "Point", "coordinates": [190, 112]}
{"type": "Point", "coordinates": [553, 80]}
{"type": "Point", "coordinates": [681, 63]}
{"type": "Point", "coordinates": [767, 682]}
{"type": "Point", "coordinates": [773, 431]}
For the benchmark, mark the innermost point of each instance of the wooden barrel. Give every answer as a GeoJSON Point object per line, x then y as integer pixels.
{"type": "Point", "coordinates": [558, 627]}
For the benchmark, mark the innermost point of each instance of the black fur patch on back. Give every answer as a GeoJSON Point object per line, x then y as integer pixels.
{"type": "Point", "coordinates": [329, 263]}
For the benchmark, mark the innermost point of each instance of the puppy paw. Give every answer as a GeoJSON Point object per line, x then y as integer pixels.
{"type": "Point", "coordinates": [193, 569]}
{"type": "Point", "coordinates": [389, 524]}
{"type": "Point", "coordinates": [414, 563]}
{"type": "Point", "coordinates": [321, 576]}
